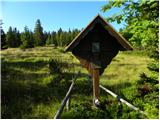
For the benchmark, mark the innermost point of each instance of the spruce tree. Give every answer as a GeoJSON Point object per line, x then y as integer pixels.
{"type": "Point", "coordinates": [13, 37]}
{"type": "Point", "coordinates": [45, 37]}
{"type": "Point", "coordinates": [17, 39]}
{"type": "Point", "coordinates": [10, 37]}
{"type": "Point", "coordinates": [38, 34]}
{"type": "Point", "coordinates": [48, 42]}
{"type": "Point", "coordinates": [3, 40]}
{"type": "Point", "coordinates": [53, 38]}
{"type": "Point", "coordinates": [27, 38]}
{"type": "Point", "coordinates": [59, 37]}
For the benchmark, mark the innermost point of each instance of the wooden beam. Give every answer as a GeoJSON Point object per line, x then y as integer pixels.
{"type": "Point", "coordinates": [95, 84]}
{"type": "Point", "coordinates": [122, 100]}
{"type": "Point", "coordinates": [58, 114]}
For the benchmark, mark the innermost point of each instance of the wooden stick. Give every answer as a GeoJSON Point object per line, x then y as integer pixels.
{"type": "Point", "coordinates": [122, 100]}
{"type": "Point", "coordinates": [58, 114]}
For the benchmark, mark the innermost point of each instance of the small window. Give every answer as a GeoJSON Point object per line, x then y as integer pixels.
{"type": "Point", "coordinates": [95, 47]}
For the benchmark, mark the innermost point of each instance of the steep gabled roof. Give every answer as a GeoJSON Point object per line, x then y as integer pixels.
{"type": "Point", "coordinates": [98, 19]}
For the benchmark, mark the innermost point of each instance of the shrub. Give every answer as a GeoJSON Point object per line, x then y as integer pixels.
{"type": "Point", "coordinates": [56, 65]}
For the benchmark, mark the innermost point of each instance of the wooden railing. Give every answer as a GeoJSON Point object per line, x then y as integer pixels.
{"type": "Point", "coordinates": [66, 99]}
{"type": "Point", "coordinates": [122, 100]}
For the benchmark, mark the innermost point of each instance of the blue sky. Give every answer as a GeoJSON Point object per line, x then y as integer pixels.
{"type": "Point", "coordinates": [53, 14]}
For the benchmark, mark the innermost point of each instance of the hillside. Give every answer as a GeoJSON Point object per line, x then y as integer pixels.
{"type": "Point", "coordinates": [30, 89]}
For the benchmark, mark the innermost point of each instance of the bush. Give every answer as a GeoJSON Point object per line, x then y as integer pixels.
{"type": "Point", "coordinates": [56, 65]}
{"type": "Point", "coordinates": [153, 67]}
{"type": "Point", "coordinates": [145, 79]}
{"type": "Point", "coordinates": [148, 88]}
{"type": "Point", "coordinates": [60, 70]}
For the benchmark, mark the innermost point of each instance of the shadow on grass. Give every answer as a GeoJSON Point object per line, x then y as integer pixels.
{"type": "Point", "coordinates": [30, 65]}
{"type": "Point", "coordinates": [18, 96]}
{"type": "Point", "coordinates": [17, 75]}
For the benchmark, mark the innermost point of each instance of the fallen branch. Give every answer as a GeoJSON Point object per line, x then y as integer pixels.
{"type": "Point", "coordinates": [58, 114]}
{"type": "Point", "coordinates": [122, 100]}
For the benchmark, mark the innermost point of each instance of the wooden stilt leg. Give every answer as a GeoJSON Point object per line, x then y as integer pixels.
{"type": "Point", "coordinates": [95, 84]}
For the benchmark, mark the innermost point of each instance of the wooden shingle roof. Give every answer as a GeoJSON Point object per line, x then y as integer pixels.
{"type": "Point", "coordinates": [98, 19]}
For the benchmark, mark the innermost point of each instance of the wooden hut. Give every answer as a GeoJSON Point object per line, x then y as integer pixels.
{"type": "Point", "coordinates": [97, 44]}
{"type": "Point", "coordinates": [95, 47]}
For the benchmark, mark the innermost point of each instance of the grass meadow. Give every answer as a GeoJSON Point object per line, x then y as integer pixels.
{"type": "Point", "coordinates": [29, 89]}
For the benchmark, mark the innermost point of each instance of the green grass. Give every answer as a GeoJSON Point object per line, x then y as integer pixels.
{"type": "Point", "coordinates": [125, 68]}
{"type": "Point", "coordinates": [30, 91]}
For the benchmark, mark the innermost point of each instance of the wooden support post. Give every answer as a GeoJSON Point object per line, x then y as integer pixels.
{"type": "Point", "coordinates": [95, 84]}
